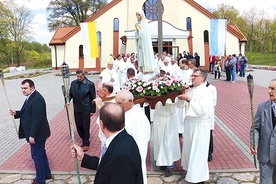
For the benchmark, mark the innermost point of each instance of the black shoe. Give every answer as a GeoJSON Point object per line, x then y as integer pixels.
{"type": "Point", "coordinates": [168, 172]}
{"type": "Point", "coordinates": [210, 158]}
{"type": "Point", "coordinates": [35, 182]}
{"type": "Point", "coordinates": [179, 135]}
{"type": "Point", "coordinates": [162, 168]}
{"type": "Point", "coordinates": [49, 177]}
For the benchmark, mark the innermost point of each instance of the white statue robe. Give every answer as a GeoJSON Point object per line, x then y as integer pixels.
{"type": "Point", "coordinates": [112, 77]}
{"type": "Point", "coordinates": [143, 44]}
{"type": "Point", "coordinates": [138, 126]}
{"type": "Point", "coordinates": [165, 134]}
{"type": "Point", "coordinates": [196, 134]}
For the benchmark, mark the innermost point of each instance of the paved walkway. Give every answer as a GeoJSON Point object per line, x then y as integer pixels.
{"type": "Point", "coordinates": [232, 162]}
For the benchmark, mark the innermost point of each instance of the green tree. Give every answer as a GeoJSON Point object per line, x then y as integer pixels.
{"type": "Point", "coordinates": [34, 56]}
{"type": "Point", "coordinates": [3, 34]}
{"type": "Point", "coordinates": [71, 12]}
{"type": "Point", "coordinates": [272, 35]}
{"type": "Point", "coordinates": [18, 26]}
{"type": "Point", "coordinates": [230, 13]}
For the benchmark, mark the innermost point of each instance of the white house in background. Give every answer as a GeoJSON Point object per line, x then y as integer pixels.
{"type": "Point", "coordinates": [186, 27]}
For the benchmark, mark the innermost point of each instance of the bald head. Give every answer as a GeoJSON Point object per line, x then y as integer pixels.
{"type": "Point", "coordinates": [125, 99]}
{"type": "Point", "coordinates": [113, 117]}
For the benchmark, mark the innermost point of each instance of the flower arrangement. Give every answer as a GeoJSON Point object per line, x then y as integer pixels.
{"type": "Point", "coordinates": [160, 86]}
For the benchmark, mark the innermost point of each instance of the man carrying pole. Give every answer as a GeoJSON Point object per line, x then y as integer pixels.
{"type": "Point", "coordinates": [83, 92]}
{"type": "Point", "coordinates": [263, 136]}
{"type": "Point", "coordinates": [35, 128]}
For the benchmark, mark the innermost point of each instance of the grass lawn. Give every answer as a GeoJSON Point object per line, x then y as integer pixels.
{"type": "Point", "coordinates": [261, 58]}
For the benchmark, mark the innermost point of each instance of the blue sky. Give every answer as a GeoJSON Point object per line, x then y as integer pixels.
{"type": "Point", "coordinates": [42, 35]}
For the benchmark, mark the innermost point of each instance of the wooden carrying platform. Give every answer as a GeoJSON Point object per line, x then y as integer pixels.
{"type": "Point", "coordinates": [152, 100]}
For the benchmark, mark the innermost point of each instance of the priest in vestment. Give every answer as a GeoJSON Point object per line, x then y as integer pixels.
{"type": "Point", "coordinates": [136, 124]}
{"type": "Point", "coordinates": [110, 75]}
{"type": "Point", "coordinates": [196, 136]}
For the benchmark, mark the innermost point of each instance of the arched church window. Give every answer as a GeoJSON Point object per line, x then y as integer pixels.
{"type": "Point", "coordinates": [206, 36]}
{"type": "Point", "coordinates": [150, 8]}
{"type": "Point", "coordinates": [189, 23]}
{"type": "Point", "coordinates": [81, 51]}
{"type": "Point", "coordinates": [116, 24]}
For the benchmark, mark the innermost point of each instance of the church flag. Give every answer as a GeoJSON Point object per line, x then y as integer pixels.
{"type": "Point", "coordinates": [218, 37]}
{"type": "Point", "coordinates": [90, 41]}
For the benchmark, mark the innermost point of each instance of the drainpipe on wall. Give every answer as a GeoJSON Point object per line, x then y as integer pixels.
{"type": "Point", "coordinates": [56, 57]}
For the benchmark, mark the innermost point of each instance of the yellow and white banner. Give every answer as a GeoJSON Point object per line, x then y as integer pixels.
{"type": "Point", "coordinates": [90, 41]}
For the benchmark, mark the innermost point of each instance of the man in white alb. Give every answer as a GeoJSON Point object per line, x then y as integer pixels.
{"type": "Point", "coordinates": [165, 136]}
{"type": "Point", "coordinates": [136, 124]}
{"type": "Point", "coordinates": [196, 136]}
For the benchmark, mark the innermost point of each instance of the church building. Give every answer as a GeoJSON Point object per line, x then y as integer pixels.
{"type": "Point", "coordinates": [187, 26]}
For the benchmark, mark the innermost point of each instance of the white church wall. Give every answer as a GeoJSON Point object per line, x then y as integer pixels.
{"type": "Point", "coordinates": [105, 26]}
{"type": "Point", "coordinates": [72, 50]}
{"type": "Point", "coordinates": [232, 44]}
{"type": "Point", "coordinates": [57, 55]}
{"type": "Point", "coordinates": [174, 13]}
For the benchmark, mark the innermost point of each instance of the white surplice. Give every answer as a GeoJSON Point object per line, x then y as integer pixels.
{"type": "Point", "coordinates": [165, 134]}
{"type": "Point", "coordinates": [185, 76]}
{"type": "Point", "coordinates": [196, 134]}
{"type": "Point", "coordinates": [138, 126]}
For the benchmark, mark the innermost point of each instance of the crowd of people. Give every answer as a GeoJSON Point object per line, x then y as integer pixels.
{"type": "Point", "coordinates": [168, 127]}
{"type": "Point", "coordinates": [232, 66]}
{"type": "Point", "coordinates": [189, 119]}
{"type": "Point", "coordinates": [125, 129]}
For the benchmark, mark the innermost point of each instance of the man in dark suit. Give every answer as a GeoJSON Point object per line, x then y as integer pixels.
{"type": "Point", "coordinates": [82, 91]}
{"type": "Point", "coordinates": [121, 162]}
{"type": "Point", "coordinates": [265, 137]}
{"type": "Point", "coordinates": [35, 128]}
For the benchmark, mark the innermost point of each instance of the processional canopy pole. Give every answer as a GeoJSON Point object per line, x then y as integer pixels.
{"type": "Point", "coordinates": [250, 85]}
{"type": "Point", "coordinates": [65, 90]}
{"type": "Point", "coordinates": [5, 91]}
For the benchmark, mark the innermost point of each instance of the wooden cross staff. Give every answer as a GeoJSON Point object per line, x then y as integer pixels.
{"type": "Point", "coordinates": [4, 87]}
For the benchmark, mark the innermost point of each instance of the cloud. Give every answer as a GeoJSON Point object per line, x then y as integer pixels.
{"type": "Point", "coordinates": [39, 22]}
{"type": "Point", "coordinates": [39, 25]}
{"type": "Point", "coordinates": [241, 6]}
{"type": "Point", "coordinates": [34, 4]}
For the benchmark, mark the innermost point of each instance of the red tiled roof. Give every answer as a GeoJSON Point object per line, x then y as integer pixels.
{"type": "Point", "coordinates": [57, 38]}
{"type": "Point", "coordinates": [232, 28]}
